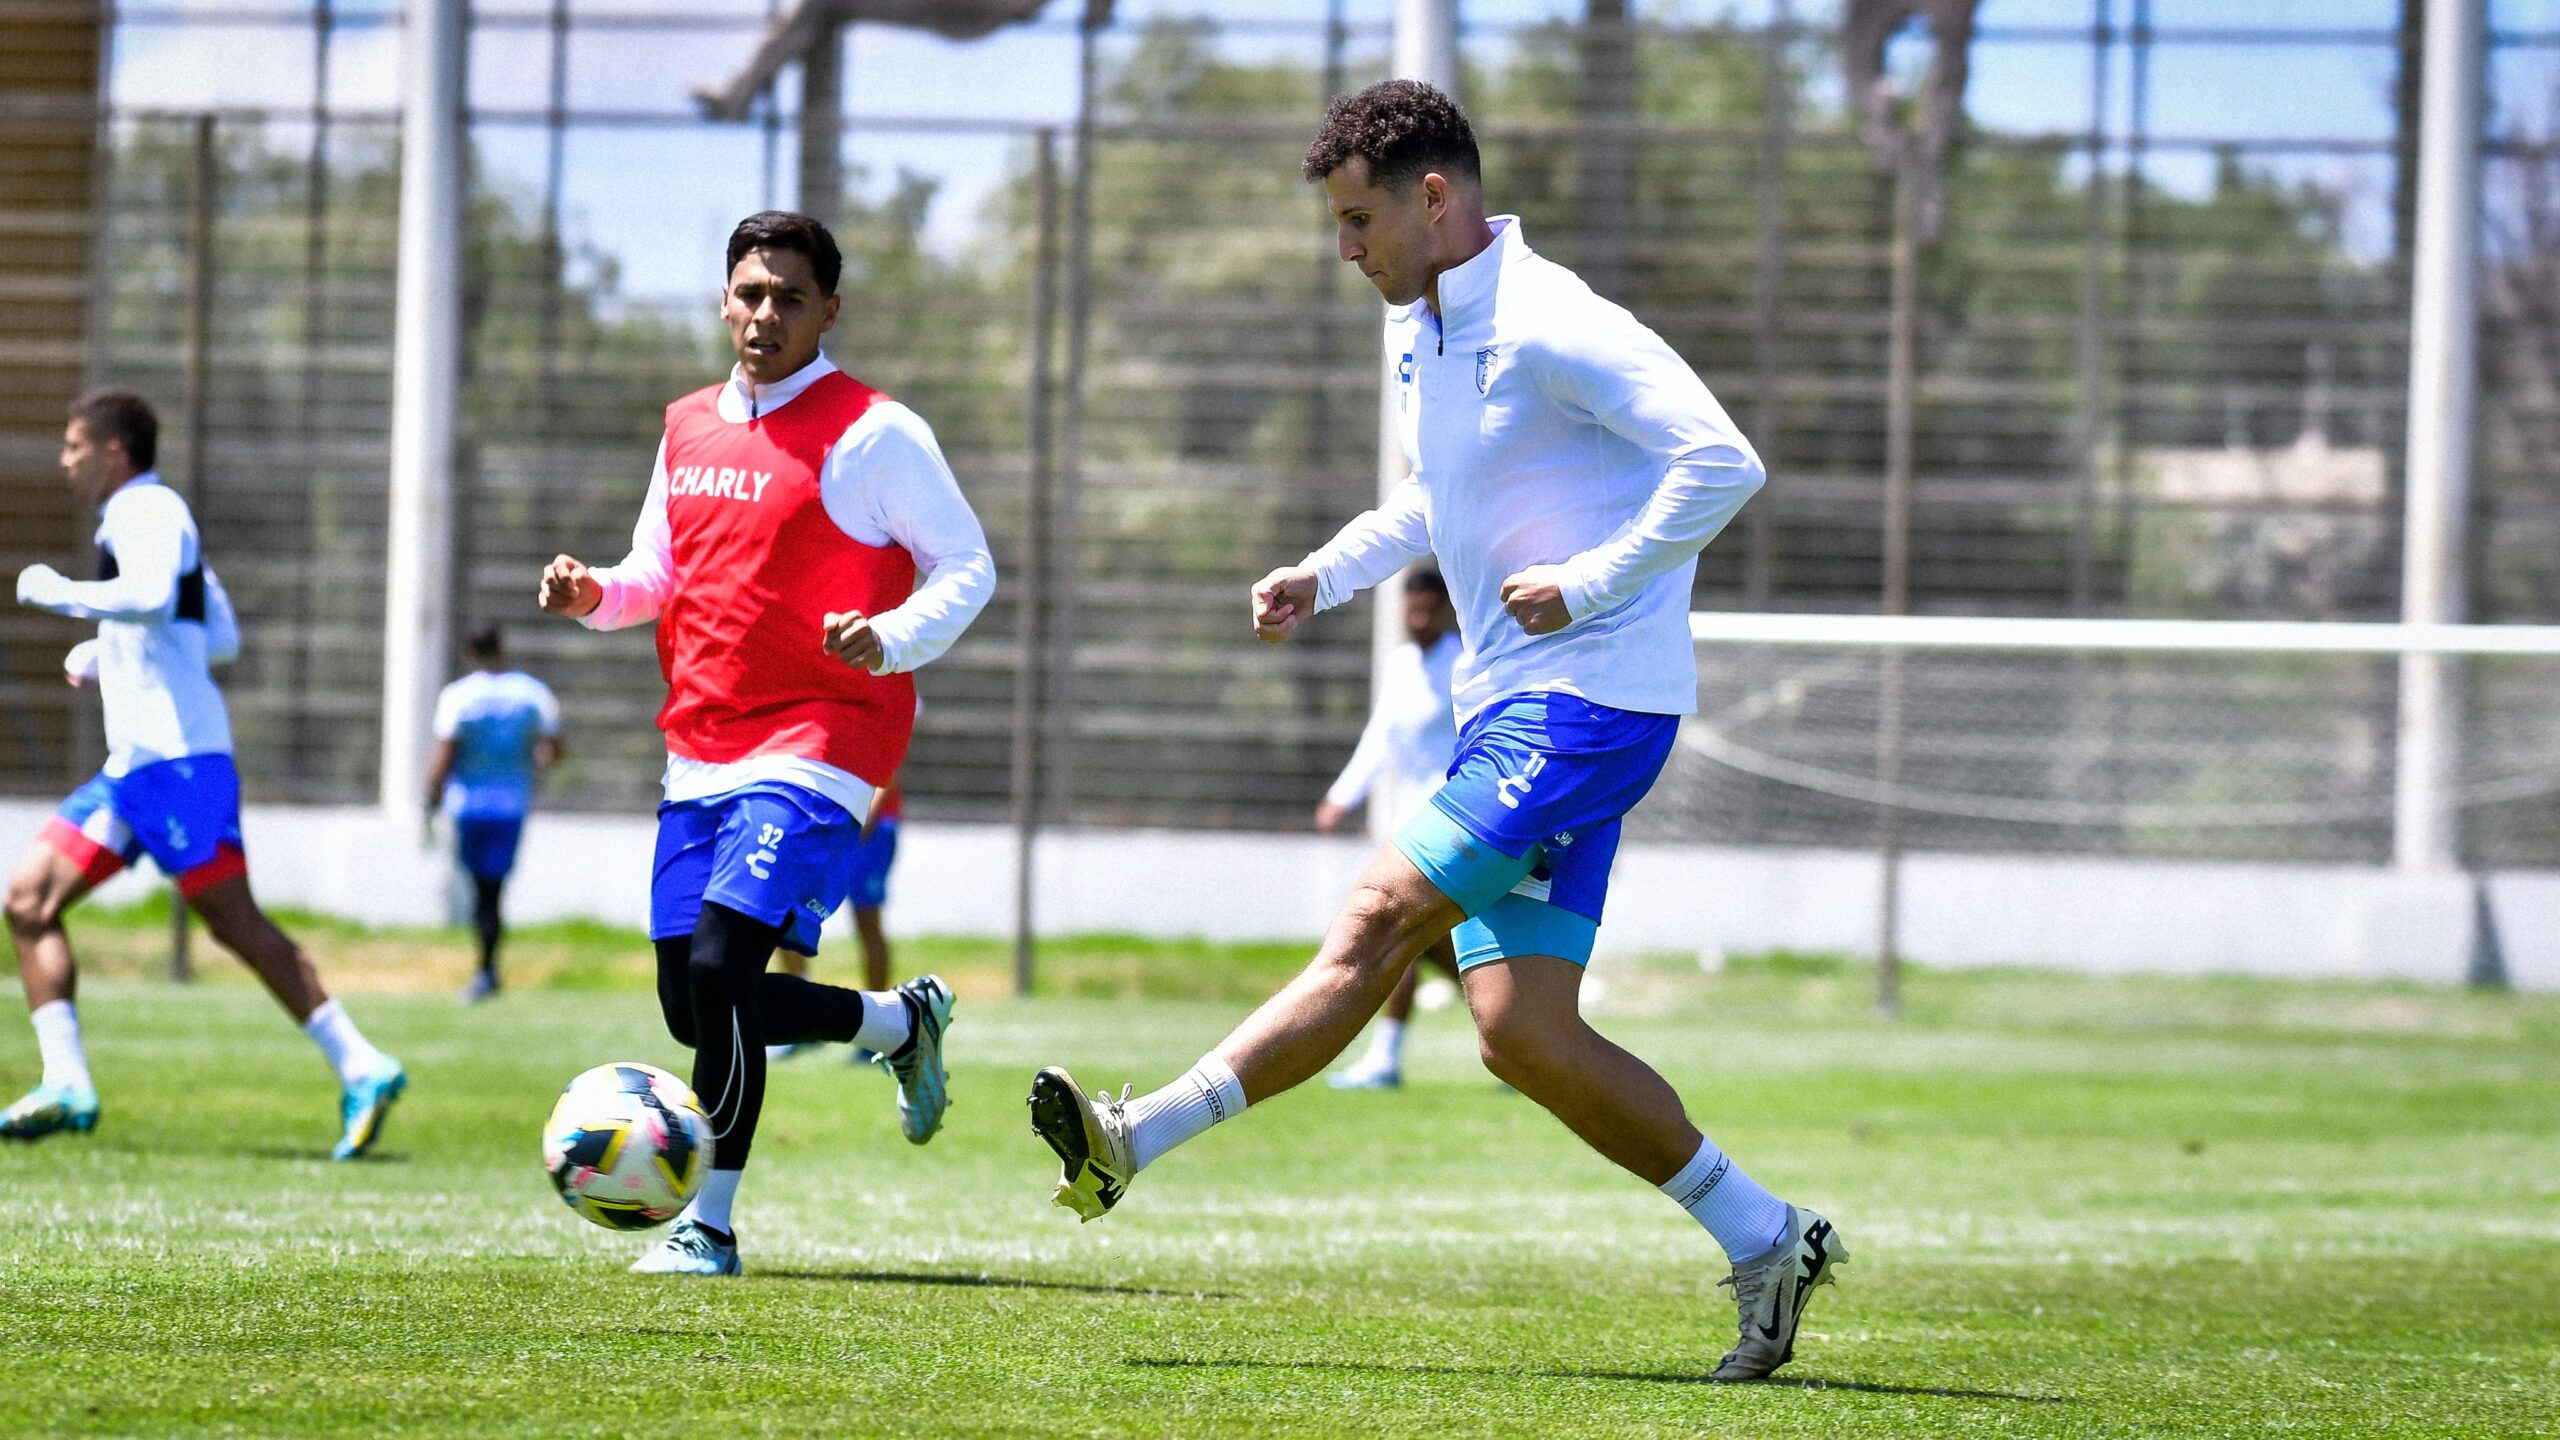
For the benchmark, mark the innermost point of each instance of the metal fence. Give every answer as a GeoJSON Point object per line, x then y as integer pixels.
{"type": "Point", "coordinates": [2161, 367]}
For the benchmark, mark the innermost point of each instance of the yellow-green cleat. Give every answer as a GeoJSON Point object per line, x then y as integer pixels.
{"type": "Point", "coordinates": [1091, 1138]}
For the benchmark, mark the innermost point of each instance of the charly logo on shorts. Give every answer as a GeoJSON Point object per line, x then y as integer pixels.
{"type": "Point", "coordinates": [1503, 789]}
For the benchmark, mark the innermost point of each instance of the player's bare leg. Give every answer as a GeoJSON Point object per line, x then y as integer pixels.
{"type": "Point", "coordinates": [369, 1081]}
{"type": "Point", "coordinates": [1393, 915]}
{"type": "Point", "coordinates": [46, 884]}
{"type": "Point", "coordinates": [1381, 1066]}
{"type": "Point", "coordinates": [875, 947]}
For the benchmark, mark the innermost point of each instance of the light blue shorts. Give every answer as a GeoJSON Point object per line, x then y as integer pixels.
{"type": "Point", "coordinates": [1523, 835]}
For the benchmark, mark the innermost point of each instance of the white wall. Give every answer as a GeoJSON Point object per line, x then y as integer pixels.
{"type": "Point", "coordinates": [2098, 915]}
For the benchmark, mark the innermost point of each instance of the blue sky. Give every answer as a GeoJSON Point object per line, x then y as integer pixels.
{"type": "Point", "coordinates": [662, 199]}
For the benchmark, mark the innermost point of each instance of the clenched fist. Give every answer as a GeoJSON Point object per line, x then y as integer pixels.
{"type": "Point", "coordinates": [1285, 597]}
{"type": "Point", "coordinates": [568, 588]}
{"type": "Point", "coordinates": [850, 638]}
{"type": "Point", "coordinates": [1535, 598]}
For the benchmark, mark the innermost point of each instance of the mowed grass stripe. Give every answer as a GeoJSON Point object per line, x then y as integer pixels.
{"type": "Point", "coordinates": [2079, 1208]}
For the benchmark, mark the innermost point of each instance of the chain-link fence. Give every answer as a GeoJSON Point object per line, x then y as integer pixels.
{"type": "Point", "coordinates": [2161, 367]}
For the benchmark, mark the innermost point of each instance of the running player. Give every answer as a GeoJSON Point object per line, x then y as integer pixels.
{"type": "Point", "coordinates": [495, 729]}
{"type": "Point", "coordinates": [1568, 467]}
{"type": "Point", "coordinates": [168, 789]}
{"type": "Point", "coordinates": [1401, 759]}
{"type": "Point", "coordinates": [789, 515]}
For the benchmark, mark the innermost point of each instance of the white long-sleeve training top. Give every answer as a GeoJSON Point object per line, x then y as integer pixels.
{"type": "Point", "coordinates": [151, 667]}
{"type": "Point", "coordinates": [885, 482]}
{"type": "Point", "coordinates": [1548, 426]}
{"type": "Point", "coordinates": [1404, 752]}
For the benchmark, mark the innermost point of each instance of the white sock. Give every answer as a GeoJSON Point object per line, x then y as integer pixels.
{"type": "Point", "coordinates": [711, 1203]}
{"type": "Point", "coordinates": [1746, 1220]}
{"type": "Point", "coordinates": [886, 1022]}
{"type": "Point", "coordinates": [1206, 1094]}
{"type": "Point", "coordinates": [58, 1041]}
{"type": "Point", "coordinates": [350, 1054]}
{"type": "Point", "coordinates": [1386, 1046]}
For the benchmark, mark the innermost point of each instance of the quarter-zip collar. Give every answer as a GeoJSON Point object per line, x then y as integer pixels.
{"type": "Point", "coordinates": [743, 399]}
{"type": "Point", "coordinates": [1469, 285]}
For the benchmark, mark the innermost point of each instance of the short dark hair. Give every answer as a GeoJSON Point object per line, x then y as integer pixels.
{"type": "Point", "coordinates": [1403, 128]}
{"type": "Point", "coordinates": [1428, 581]}
{"type": "Point", "coordinates": [782, 230]}
{"type": "Point", "coordinates": [114, 413]}
{"type": "Point", "coordinates": [484, 644]}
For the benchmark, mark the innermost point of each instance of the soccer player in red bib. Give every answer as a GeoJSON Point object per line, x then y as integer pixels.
{"type": "Point", "coordinates": [803, 548]}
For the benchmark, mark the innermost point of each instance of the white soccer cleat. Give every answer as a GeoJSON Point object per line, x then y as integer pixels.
{"type": "Point", "coordinates": [1091, 1137]}
{"type": "Point", "coordinates": [924, 1086]}
{"type": "Point", "coordinates": [690, 1249]}
{"type": "Point", "coordinates": [1771, 1293]}
{"type": "Point", "coordinates": [1372, 1072]}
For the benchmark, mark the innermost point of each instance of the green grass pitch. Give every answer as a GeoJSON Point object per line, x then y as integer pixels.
{"type": "Point", "coordinates": [2079, 1208]}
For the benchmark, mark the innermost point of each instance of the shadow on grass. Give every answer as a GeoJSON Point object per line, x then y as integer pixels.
{"type": "Point", "coordinates": [986, 1282]}
{"type": "Point", "coordinates": [322, 1156]}
{"type": "Point", "coordinates": [1792, 1382]}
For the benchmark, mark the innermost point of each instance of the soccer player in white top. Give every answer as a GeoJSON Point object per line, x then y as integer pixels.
{"type": "Point", "coordinates": [496, 729]}
{"type": "Point", "coordinates": [168, 789]}
{"type": "Point", "coordinates": [1402, 757]}
{"type": "Point", "coordinates": [1567, 469]}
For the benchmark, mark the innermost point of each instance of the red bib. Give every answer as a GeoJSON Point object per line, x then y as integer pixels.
{"type": "Point", "coordinates": [758, 566]}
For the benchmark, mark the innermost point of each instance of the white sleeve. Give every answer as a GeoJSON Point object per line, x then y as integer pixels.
{"type": "Point", "coordinates": [887, 478]}
{"type": "Point", "coordinates": [636, 589]}
{"type": "Point", "coordinates": [148, 534]}
{"type": "Point", "coordinates": [1352, 786]}
{"type": "Point", "coordinates": [448, 721]}
{"type": "Point", "coordinates": [1376, 544]}
{"type": "Point", "coordinates": [547, 708]}
{"type": "Point", "coordinates": [1627, 380]}
{"type": "Point", "coordinates": [221, 622]}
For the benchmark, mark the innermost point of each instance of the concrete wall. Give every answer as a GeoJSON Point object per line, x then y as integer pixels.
{"type": "Point", "coordinates": [2103, 916]}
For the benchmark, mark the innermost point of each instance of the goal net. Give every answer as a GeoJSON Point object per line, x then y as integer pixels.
{"type": "Point", "coordinates": [2430, 749]}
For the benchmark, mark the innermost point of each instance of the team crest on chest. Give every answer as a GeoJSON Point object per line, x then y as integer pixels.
{"type": "Point", "coordinates": [1484, 369]}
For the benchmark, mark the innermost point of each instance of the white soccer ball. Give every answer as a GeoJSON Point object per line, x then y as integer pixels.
{"type": "Point", "coordinates": [627, 1145]}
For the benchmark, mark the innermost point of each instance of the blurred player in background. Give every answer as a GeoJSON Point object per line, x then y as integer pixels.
{"type": "Point", "coordinates": [168, 789]}
{"type": "Point", "coordinates": [495, 728]}
{"type": "Point", "coordinates": [1402, 757]}
{"type": "Point", "coordinates": [1568, 466]}
{"type": "Point", "coordinates": [789, 516]}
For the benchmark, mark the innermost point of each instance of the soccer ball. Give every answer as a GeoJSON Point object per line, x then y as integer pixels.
{"type": "Point", "coordinates": [627, 1145]}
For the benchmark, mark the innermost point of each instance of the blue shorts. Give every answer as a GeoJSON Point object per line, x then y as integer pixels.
{"type": "Point", "coordinates": [183, 813]}
{"type": "Point", "coordinates": [487, 844]}
{"type": "Point", "coordinates": [871, 861]}
{"type": "Point", "coordinates": [775, 853]}
{"type": "Point", "coordinates": [1524, 832]}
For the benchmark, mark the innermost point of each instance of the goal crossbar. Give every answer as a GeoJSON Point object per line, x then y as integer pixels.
{"type": "Point", "coordinates": [1994, 632]}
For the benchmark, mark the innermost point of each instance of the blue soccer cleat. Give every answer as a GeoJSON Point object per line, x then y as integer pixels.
{"type": "Point", "coordinates": [690, 1249]}
{"type": "Point", "coordinates": [364, 1105]}
{"type": "Point", "coordinates": [50, 1108]}
{"type": "Point", "coordinates": [924, 1087]}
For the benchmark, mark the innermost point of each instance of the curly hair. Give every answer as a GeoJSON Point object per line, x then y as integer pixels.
{"type": "Point", "coordinates": [1403, 128]}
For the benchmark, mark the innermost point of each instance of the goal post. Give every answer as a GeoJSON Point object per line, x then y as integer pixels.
{"type": "Point", "coordinates": [2194, 740]}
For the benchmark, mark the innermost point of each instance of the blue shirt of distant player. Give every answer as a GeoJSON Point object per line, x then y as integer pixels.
{"type": "Point", "coordinates": [496, 720]}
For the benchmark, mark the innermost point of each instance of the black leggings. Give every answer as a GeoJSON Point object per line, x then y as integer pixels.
{"type": "Point", "coordinates": [717, 998]}
{"type": "Point", "coordinates": [484, 918]}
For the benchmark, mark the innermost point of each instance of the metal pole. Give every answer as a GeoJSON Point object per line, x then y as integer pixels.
{"type": "Point", "coordinates": [2091, 349]}
{"type": "Point", "coordinates": [822, 125]}
{"type": "Point", "coordinates": [1901, 384]}
{"type": "Point", "coordinates": [1035, 565]}
{"type": "Point", "coordinates": [198, 344]}
{"type": "Point", "coordinates": [1426, 49]}
{"type": "Point", "coordinates": [425, 375]}
{"type": "Point", "coordinates": [1070, 533]}
{"type": "Point", "coordinates": [1768, 276]}
{"type": "Point", "coordinates": [2444, 322]}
